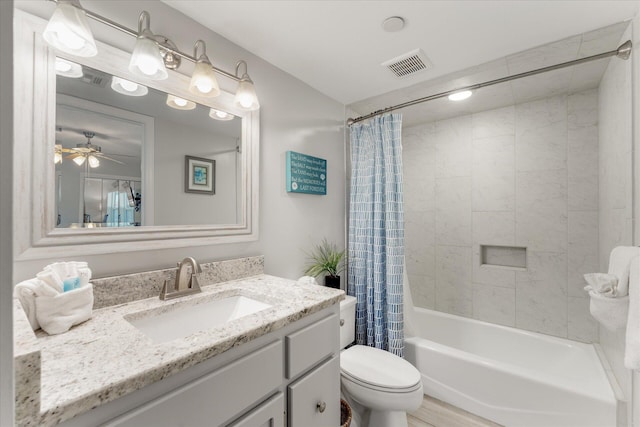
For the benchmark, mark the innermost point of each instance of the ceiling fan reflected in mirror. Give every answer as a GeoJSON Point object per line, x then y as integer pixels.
{"type": "Point", "coordinates": [88, 152]}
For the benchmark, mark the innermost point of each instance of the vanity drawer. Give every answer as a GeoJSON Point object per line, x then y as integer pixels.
{"type": "Point", "coordinates": [311, 345]}
{"type": "Point", "coordinates": [214, 398]}
{"type": "Point", "coordinates": [314, 400]}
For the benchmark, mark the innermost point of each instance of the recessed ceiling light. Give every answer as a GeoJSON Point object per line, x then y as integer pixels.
{"type": "Point", "coordinates": [393, 24]}
{"type": "Point", "coordinates": [459, 96]}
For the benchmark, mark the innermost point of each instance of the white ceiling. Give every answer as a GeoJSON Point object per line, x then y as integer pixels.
{"type": "Point", "coordinates": [337, 46]}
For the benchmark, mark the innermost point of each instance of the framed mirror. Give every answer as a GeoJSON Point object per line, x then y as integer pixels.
{"type": "Point", "coordinates": [105, 158]}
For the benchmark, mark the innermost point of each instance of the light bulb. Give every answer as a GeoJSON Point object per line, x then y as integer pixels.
{"type": "Point", "coordinates": [79, 160]}
{"type": "Point", "coordinates": [128, 85]}
{"type": "Point", "coordinates": [68, 38]}
{"type": "Point", "coordinates": [246, 97]}
{"type": "Point", "coordinates": [204, 85]}
{"type": "Point", "coordinates": [62, 65]}
{"type": "Point", "coordinates": [203, 81]}
{"type": "Point", "coordinates": [180, 102]}
{"type": "Point", "coordinates": [246, 101]}
{"type": "Point", "coordinates": [68, 30]}
{"type": "Point", "coordinates": [148, 66]}
{"type": "Point", "coordinates": [220, 115]}
{"type": "Point", "coordinates": [94, 162]}
{"type": "Point", "coordinates": [146, 58]}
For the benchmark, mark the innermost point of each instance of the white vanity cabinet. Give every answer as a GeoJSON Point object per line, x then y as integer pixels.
{"type": "Point", "coordinates": [289, 377]}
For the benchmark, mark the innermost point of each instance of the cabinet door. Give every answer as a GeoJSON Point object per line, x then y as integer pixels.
{"type": "Point", "coordinates": [214, 398]}
{"type": "Point", "coordinates": [269, 414]}
{"type": "Point", "coordinates": [314, 400]}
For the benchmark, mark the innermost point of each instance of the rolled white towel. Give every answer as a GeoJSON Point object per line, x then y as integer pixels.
{"type": "Point", "coordinates": [619, 264]}
{"type": "Point", "coordinates": [70, 269]}
{"type": "Point", "coordinates": [307, 280]}
{"type": "Point", "coordinates": [58, 313]}
{"type": "Point", "coordinates": [610, 312]}
{"type": "Point", "coordinates": [604, 284]}
{"type": "Point", "coordinates": [27, 292]}
{"type": "Point", "coordinates": [52, 279]}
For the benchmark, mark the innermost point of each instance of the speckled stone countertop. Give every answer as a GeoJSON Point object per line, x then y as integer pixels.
{"type": "Point", "coordinates": [107, 357]}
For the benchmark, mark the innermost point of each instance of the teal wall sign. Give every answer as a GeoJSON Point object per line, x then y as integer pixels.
{"type": "Point", "coordinates": [306, 174]}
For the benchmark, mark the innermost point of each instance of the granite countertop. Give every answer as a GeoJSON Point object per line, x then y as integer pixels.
{"type": "Point", "coordinates": [107, 357]}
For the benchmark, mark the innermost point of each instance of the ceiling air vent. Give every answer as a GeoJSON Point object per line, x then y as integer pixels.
{"type": "Point", "coordinates": [95, 78]}
{"type": "Point", "coordinates": [408, 64]}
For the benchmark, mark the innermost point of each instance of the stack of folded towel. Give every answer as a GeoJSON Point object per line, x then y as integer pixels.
{"type": "Point", "coordinates": [610, 292]}
{"type": "Point", "coordinates": [59, 297]}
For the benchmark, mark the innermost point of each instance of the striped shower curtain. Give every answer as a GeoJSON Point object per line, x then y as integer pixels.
{"type": "Point", "coordinates": [376, 232]}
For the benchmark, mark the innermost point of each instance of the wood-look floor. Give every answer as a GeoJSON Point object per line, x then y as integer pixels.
{"type": "Point", "coordinates": [435, 413]}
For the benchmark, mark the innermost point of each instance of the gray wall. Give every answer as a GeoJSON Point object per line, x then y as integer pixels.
{"type": "Point", "coordinates": [293, 116]}
{"type": "Point", "coordinates": [6, 214]}
{"type": "Point", "coordinates": [616, 183]}
{"type": "Point", "coordinates": [173, 142]}
{"type": "Point", "coordinates": [524, 175]}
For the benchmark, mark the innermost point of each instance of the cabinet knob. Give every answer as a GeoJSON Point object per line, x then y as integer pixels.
{"type": "Point", "coordinates": [321, 406]}
{"type": "Point", "coordinates": [341, 322]}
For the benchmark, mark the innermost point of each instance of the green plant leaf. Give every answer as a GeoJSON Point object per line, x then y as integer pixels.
{"type": "Point", "coordinates": [324, 258]}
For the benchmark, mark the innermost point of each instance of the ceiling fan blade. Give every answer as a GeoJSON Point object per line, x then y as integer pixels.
{"type": "Point", "coordinates": [73, 156]}
{"type": "Point", "coordinates": [68, 150]}
{"type": "Point", "coordinates": [102, 156]}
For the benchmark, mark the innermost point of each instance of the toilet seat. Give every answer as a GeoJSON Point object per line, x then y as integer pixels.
{"type": "Point", "coordinates": [379, 370]}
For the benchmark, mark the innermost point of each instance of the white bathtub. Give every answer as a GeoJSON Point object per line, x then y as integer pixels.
{"type": "Point", "coordinates": [512, 377]}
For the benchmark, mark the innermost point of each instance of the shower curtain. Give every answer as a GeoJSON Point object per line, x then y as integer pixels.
{"type": "Point", "coordinates": [376, 232]}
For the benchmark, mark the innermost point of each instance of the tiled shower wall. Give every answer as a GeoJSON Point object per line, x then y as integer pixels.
{"type": "Point", "coordinates": [524, 175]}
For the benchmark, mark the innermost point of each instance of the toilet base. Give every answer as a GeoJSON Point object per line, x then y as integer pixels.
{"type": "Point", "coordinates": [388, 418]}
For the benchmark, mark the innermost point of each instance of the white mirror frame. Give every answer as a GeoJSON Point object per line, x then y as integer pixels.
{"type": "Point", "coordinates": [34, 176]}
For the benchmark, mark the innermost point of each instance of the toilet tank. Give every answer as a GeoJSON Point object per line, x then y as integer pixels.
{"type": "Point", "coordinates": [347, 321]}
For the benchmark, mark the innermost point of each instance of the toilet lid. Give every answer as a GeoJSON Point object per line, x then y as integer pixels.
{"type": "Point", "coordinates": [378, 367]}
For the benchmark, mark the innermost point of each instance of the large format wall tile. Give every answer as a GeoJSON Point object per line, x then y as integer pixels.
{"type": "Point", "coordinates": [453, 280]}
{"type": "Point", "coordinates": [453, 211]}
{"type": "Point", "coordinates": [541, 210]}
{"type": "Point", "coordinates": [494, 304]}
{"type": "Point", "coordinates": [526, 176]}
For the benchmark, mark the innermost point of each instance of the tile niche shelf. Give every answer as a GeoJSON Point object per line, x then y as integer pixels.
{"type": "Point", "coordinates": [509, 257]}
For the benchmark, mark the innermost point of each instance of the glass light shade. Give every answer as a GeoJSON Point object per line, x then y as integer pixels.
{"type": "Point", "coordinates": [146, 59]}
{"type": "Point", "coordinates": [220, 115]}
{"type": "Point", "coordinates": [127, 87]}
{"type": "Point", "coordinates": [68, 30]}
{"type": "Point", "coordinates": [246, 97]}
{"type": "Point", "coordinates": [459, 96]}
{"type": "Point", "coordinates": [68, 69]}
{"type": "Point", "coordinates": [203, 80]}
{"type": "Point", "coordinates": [79, 160]}
{"type": "Point", "coordinates": [94, 162]}
{"type": "Point", "coordinates": [180, 103]}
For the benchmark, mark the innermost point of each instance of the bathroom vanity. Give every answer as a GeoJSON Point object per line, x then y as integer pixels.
{"type": "Point", "coordinates": [276, 366]}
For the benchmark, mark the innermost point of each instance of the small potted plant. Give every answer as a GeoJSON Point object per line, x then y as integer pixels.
{"type": "Point", "coordinates": [326, 258]}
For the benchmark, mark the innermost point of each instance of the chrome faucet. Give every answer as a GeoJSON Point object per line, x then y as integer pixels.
{"type": "Point", "coordinates": [185, 284]}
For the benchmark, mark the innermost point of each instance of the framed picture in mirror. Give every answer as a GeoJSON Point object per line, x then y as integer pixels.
{"type": "Point", "coordinates": [200, 175]}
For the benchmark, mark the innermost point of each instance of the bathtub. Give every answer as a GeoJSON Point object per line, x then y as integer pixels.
{"type": "Point", "coordinates": [513, 377]}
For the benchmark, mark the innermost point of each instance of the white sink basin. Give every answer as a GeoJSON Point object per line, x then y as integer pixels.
{"type": "Point", "coordinates": [189, 319]}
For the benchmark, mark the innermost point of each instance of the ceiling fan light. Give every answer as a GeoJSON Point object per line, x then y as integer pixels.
{"type": "Point", "coordinates": [220, 115]}
{"type": "Point", "coordinates": [180, 103]}
{"type": "Point", "coordinates": [94, 162]}
{"type": "Point", "coordinates": [79, 160]}
{"type": "Point", "coordinates": [68, 30]}
{"type": "Point", "coordinates": [57, 154]}
{"type": "Point", "coordinates": [146, 59]}
{"type": "Point", "coordinates": [127, 87]}
{"type": "Point", "coordinates": [66, 68]}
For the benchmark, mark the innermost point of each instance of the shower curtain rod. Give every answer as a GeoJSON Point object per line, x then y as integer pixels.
{"type": "Point", "coordinates": [622, 52]}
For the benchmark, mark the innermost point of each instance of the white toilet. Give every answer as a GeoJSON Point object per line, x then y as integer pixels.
{"type": "Point", "coordinates": [380, 387]}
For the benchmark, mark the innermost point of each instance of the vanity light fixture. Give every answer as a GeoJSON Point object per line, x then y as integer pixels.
{"type": "Point", "coordinates": [246, 97]}
{"type": "Point", "coordinates": [68, 69]}
{"type": "Point", "coordinates": [127, 87]}
{"type": "Point", "coordinates": [459, 96]}
{"type": "Point", "coordinates": [68, 30]}
{"type": "Point", "coordinates": [180, 103]}
{"type": "Point", "coordinates": [153, 54]}
{"type": "Point", "coordinates": [146, 58]}
{"type": "Point", "coordinates": [203, 81]}
{"type": "Point", "coordinates": [220, 115]}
